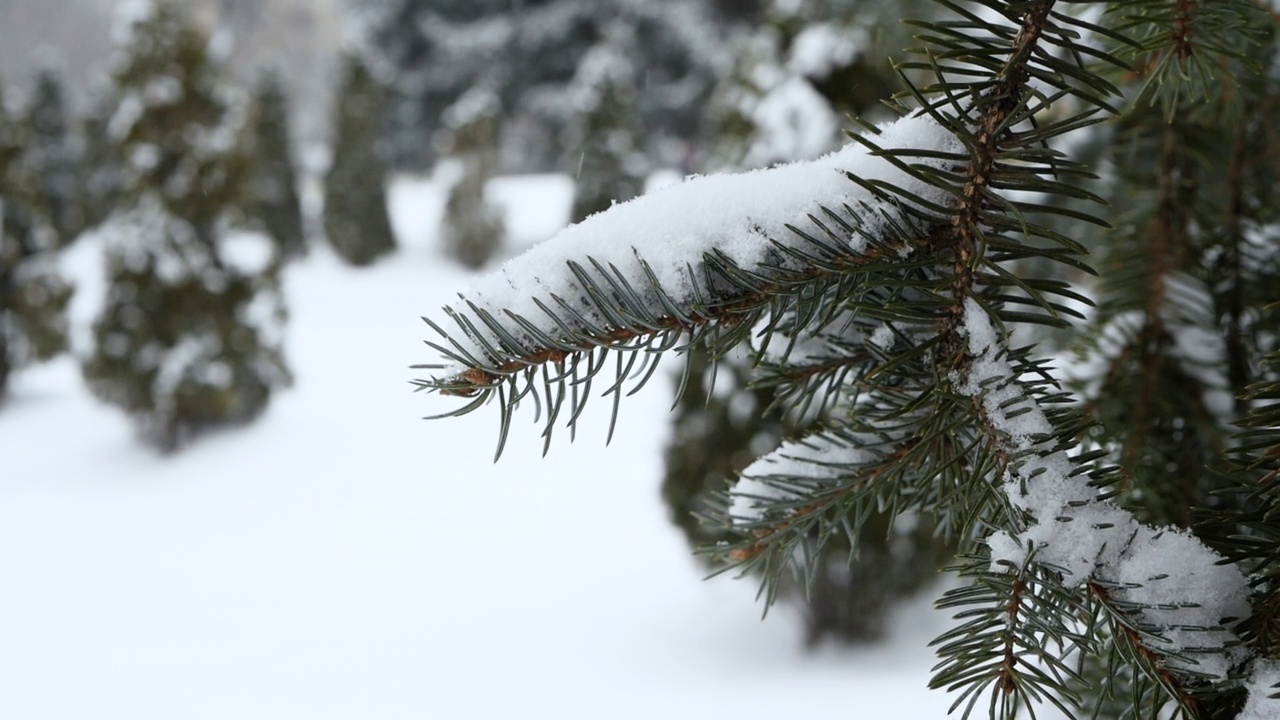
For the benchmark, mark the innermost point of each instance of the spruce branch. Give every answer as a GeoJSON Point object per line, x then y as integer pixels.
{"type": "Point", "coordinates": [895, 303]}
{"type": "Point", "coordinates": [683, 279]}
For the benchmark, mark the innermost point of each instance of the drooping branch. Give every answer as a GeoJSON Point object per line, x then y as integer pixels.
{"type": "Point", "coordinates": [1167, 580]}
{"type": "Point", "coordinates": [702, 262]}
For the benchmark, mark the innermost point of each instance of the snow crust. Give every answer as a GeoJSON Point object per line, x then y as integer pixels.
{"type": "Point", "coordinates": [1168, 575]}
{"type": "Point", "coordinates": [673, 228]}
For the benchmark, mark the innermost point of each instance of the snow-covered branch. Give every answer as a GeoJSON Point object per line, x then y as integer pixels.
{"type": "Point", "coordinates": [668, 260]}
{"type": "Point", "coordinates": [1174, 585]}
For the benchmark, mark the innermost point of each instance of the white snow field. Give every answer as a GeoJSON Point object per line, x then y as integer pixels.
{"type": "Point", "coordinates": [343, 558]}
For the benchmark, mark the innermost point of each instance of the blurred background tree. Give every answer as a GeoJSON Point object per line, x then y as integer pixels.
{"type": "Point", "coordinates": [473, 228]}
{"type": "Point", "coordinates": [52, 154]}
{"type": "Point", "coordinates": [275, 176]}
{"type": "Point", "coordinates": [101, 166]}
{"type": "Point", "coordinates": [33, 297]}
{"type": "Point", "coordinates": [530, 51]}
{"type": "Point", "coordinates": [355, 200]}
{"type": "Point", "coordinates": [189, 338]}
{"type": "Point", "coordinates": [604, 143]}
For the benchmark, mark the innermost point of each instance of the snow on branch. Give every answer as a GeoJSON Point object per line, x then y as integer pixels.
{"type": "Point", "coordinates": [669, 260]}
{"type": "Point", "coordinates": [1263, 685]}
{"type": "Point", "coordinates": [788, 473]}
{"type": "Point", "coordinates": [1171, 583]}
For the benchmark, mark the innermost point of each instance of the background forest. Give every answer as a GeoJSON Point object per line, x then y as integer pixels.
{"type": "Point", "coordinates": [220, 220]}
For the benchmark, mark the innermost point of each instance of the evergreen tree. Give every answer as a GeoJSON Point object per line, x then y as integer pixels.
{"type": "Point", "coordinates": [530, 52]}
{"type": "Point", "coordinates": [275, 182]}
{"type": "Point", "coordinates": [189, 337]}
{"type": "Point", "coordinates": [52, 153]}
{"type": "Point", "coordinates": [1117, 543]}
{"type": "Point", "coordinates": [795, 73]}
{"type": "Point", "coordinates": [473, 229]}
{"type": "Point", "coordinates": [101, 165]}
{"type": "Point", "coordinates": [355, 199]}
{"type": "Point", "coordinates": [33, 298]}
{"type": "Point", "coordinates": [602, 141]}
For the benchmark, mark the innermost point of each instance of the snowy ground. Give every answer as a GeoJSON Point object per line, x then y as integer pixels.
{"type": "Point", "coordinates": [342, 558]}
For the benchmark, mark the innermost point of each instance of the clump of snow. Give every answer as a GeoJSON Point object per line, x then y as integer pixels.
{"type": "Point", "coordinates": [129, 110]}
{"type": "Point", "coordinates": [162, 91]}
{"type": "Point", "coordinates": [883, 336]}
{"type": "Point", "coordinates": [822, 48]}
{"type": "Point", "coordinates": [128, 16]}
{"type": "Point", "coordinates": [1174, 582]}
{"type": "Point", "coordinates": [183, 361]}
{"type": "Point", "coordinates": [1262, 684]}
{"type": "Point", "coordinates": [792, 120]}
{"type": "Point", "coordinates": [817, 457]}
{"type": "Point", "coordinates": [478, 102]}
{"type": "Point", "coordinates": [672, 229]}
{"type": "Point", "coordinates": [247, 252]}
{"type": "Point", "coordinates": [266, 315]}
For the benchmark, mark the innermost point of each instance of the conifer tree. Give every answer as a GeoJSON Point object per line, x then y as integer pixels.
{"type": "Point", "coordinates": [435, 50]}
{"type": "Point", "coordinates": [275, 182]}
{"type": "Point", "coordinates": [473, 229]}
{"type": "Point", "coordinates": [355, 200]}
{"type": "Point", "coordinates": [52, 153]}
{"type": "Point", "coordinates": [33, 297]}
{"type": "Point", "coordinates": [189, 337]}
{"type": "Point", "coordinates": [101, 164]}
{"type": "Point", "coordinates": [602, 142]}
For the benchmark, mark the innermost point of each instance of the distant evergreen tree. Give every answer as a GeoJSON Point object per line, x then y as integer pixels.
{"type": "Point", "coordinates": [432, 51]}
{"type": "Point", "coordinates": [189, 337]}
{"type": "Point", "coordinates": [275, 181]}
{"type": "Point", "coordinates": [731, 125]}
{"type": "Point", "coordinates": [795, 73]}
{"type": "Point", "coordinates": [603, 144]}
{"type": "Point", "coordinates": [52, 155]}
{"type": "Point", "coordinates": [437, 49]}
{"type": "Point", "coordinates": [100, 164]}
{"type": "Point", "coordinates": [33, 298]}
{"type": "Point", "coordinates": [355, 200]}
{"type": "Point", "coordinates": [473, 228]}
